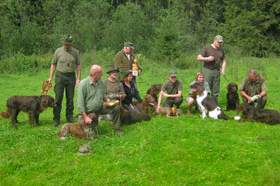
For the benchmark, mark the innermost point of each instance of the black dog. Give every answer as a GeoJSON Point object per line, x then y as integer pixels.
{"type": "Point", "coordinates": [268, 116]}
{"type": "Point", "coordinates": [33, 105]}
{"type": "Point", "coordinates": [232, 97]}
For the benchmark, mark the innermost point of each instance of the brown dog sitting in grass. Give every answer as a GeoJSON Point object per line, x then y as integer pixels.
{"type": "Point", "coordinates": [148, 102]}
{"type": "Point", "coordinates": [81, 130]}
{"type": "Point", "coordinates": [154, 90]}
{"type": "Point", "coordinates": [169, 112]}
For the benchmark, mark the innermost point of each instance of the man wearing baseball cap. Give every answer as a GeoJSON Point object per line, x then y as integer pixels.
{"type": "Point", "coordinates": [213, 56]}
{"type": "Point", "coordinates": [172, 90]}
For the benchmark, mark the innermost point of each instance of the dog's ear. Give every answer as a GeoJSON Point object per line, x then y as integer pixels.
{"type": "Point", "coordinates": [236, 86]}
{"type": "Point", "coordinates": [228, 86]}
{"type": "Point", "coordinates": [44, 103]}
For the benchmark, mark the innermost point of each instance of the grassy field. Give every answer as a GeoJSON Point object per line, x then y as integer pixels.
{"type": "Point", "coordinates": [182, 151]}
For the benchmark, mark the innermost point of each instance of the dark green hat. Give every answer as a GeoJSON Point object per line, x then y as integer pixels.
{"type": "Point", "coordinates": [68, 40]}
{"type": "Point", "coordinates": [112, 69]}
{"type": "Point", "coordinates": [172, 73]}
{"type": "Point", "coordinates": [128, 44]}
{"type": "Point", "coordinates": [125, 73]}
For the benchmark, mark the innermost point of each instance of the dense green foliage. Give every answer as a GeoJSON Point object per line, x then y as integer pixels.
{"type": "Point", "coordinates": [161, 29]}
{"type": "Point", "coordinates": [182, 151]}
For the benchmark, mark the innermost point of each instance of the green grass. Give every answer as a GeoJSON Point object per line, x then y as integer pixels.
{"type": "Point", "coordinates": [182, 151]}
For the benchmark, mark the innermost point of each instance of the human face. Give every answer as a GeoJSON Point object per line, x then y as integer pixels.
{"type": "Point", "coordinates": [217, 44]}
{"type": "Point", "coordinates": [173, 79]}
{"type": "Point", "coordinates": [252, 77]}
{"type": "Point", "coordinates": [96, 75]}
{"type": "Point", "coordinates": [127, 50]}
{"type": "Point", "coordinates": [67, 46]}
{"type": "Point", "coordinates": [200, 79]}
{"type": "Point", "coordinates": [129, 77]}
{"type": "Point", "coordinates": [113, 74]}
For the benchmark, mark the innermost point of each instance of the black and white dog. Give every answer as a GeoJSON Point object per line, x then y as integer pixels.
{"type": "Point", "coordinates": [206, 103]}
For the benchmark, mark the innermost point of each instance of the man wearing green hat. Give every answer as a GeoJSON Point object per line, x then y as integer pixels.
{"type": "Point", "coordinates": [114, 88]}
{"type": "Point", "coordinates": [213, 56]}
{"type": "Point", "coordinates": [173, 88]}
{"type": "Point", "coordinates": [66, 61]}
{"type": "Point", "coordinates": [125, 59]}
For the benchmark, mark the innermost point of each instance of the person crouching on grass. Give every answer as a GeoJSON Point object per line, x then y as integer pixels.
{"type": "Point", "coordinates": [91, 95]}
{"type": "Point", "coordinates": [173, 88]}
{"type": "Point", "coordinates": [199, 78]}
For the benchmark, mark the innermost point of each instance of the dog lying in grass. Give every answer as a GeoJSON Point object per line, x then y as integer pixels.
{"type": "Point", "coordinates": [33, 105]}
{"type": "Point", "coordinates": [167, 111]}
{"type": "Point", "coordinates": [81, 130]}
{"type": "Point", "coordinates": [206, 104]}
{"type": "Point", "coordinates": [251, 113]}
{"type": "Point", "coordinates": [232, 97]}
{"type": "Point", "coordinates": [128, 118]}
{"type": "Point", "coordinates": [154, 90]}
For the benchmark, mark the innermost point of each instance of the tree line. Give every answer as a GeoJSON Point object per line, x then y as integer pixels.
{"type": "Point", "coordinates": [160, 29]}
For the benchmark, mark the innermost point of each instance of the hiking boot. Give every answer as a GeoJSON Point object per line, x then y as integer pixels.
{"type": "Point", "coordinates": [56, 123]}
{"type": "Point", "coordinates": [119, 132]}
{"type": "Point", "coordinates": [71, 120]}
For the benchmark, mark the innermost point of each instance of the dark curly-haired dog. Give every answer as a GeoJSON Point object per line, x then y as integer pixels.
{"type": "Point", "coordinates": [33, 105]}
{"type": "Point", "coordinates": [268, 116]}
{"type": "Point", "coordinates": [148, 102]}
{"type": "Point", "coordinates": [232, 97]}
{"type": "Point", "coordinates": [154, 90]}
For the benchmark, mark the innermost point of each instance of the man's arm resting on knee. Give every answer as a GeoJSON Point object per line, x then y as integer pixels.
{"type": "Point", "coordinates": [243, 93]}
{"type": "Point", "coordinates": [87, 119]}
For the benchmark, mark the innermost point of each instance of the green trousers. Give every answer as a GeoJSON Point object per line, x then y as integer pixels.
{"type": "Point", "coordinates": [64, 81]}
{"type": "Point", "coordinates": [213, 79]}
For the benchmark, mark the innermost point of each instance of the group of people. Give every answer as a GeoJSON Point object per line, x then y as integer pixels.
{"type": "Point", "coordinates": [121, 83]}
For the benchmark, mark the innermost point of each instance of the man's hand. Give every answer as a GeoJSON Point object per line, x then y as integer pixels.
{"type": "Point", "coordinates": [139, 72]}
{"type": "Point", "coordinates": [157, 110]}
{"type": "Point", "coordinates": [210, 58]}
{"type": "Point", "coordinates": [131, 106]}
{"type": "Point", "coordinates": [49, 80]}
{"type": "Point", "coordinates": [250, 100]}
{"type": "Point", "coordinates": [77, 82]}
{"type": "Point", "coordinates": [259, 96]}
{"type": "Point", "coordinates": [164, 94]}
{"type": "Point", "coordinates": [88, 120]}
{"type": "Point", "coordinates": [222, 72]}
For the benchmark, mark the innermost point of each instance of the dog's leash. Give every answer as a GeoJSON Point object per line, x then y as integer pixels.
{"type": "Point", "coordinates": [226, 78]}
{"type": "Point", "coordinates": [46, 87]}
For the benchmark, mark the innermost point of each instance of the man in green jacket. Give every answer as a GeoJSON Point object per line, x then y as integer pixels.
{"type": "Point", "coordinates": [253, 89]}
{"type": "Point", "coordinates": [125, 59]}
{"type": "Point", "coordinates": [91, 95]}
{"type": "Point", "coordinates": [66, 61]}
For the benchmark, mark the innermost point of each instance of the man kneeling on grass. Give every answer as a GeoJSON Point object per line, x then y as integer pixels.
{"type": "Point", "coordinates": [173, 87]}
{"type": "Point", "coordinates": [91, 95]}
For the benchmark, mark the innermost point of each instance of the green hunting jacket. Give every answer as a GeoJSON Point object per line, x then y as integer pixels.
{"type": "Point", "coordinates": [123, 63]}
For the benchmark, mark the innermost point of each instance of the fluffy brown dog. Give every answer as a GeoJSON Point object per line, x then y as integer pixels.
{"type": "Point", "coordinates": [167, 111]}
{"type": "Point", "coordinates": [232, 97]}
{"type": "Point", "coordinates": [268, 116]}
{"type": "Point", "coordinates": [33, 105]}
{"type": "Point", "coordinates": [154, 90]}
{"type": "Point", "coordinates": [81, 130]}
{"type": "Point", "coordinates": [148, 102]}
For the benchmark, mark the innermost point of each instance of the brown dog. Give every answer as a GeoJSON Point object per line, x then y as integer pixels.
{"type": "Point", "coordinates": [232, 97]}
{"type": "Point", "coordinates": [154, 90]}
{"type": "Point", "coordinates": [33, 105]}
{"type": "Point", "coordinates": [81, 130]}
{"type": "Point", "coordinates": [148, 102]}
{"type": "Point", "coordinates": [167, 111]}
{"type": "Point", "coordinates": [268, 116]}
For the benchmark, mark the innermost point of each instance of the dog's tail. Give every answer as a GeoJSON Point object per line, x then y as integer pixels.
{"type": "Point", "coordinates": [6, 114]}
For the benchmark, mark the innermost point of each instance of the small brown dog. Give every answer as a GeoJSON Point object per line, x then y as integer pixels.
{"type": "Point", "coordinates": [33, 105]}
{"type": "Point", "coordinates": [81, 130]}
{"type": "Point", "coordinates": [167, 111]}
{"type": "Point", "coordinates": [154, 90]}
{"type": "Point", "coordinates": [232, 97]}
{"type": "Point", "coordinates": [148, 102]}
